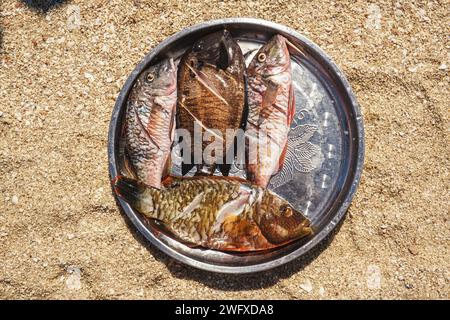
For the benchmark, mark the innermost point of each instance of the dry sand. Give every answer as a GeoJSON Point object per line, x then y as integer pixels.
{"type": "Point", "coordinates": [61, 234]}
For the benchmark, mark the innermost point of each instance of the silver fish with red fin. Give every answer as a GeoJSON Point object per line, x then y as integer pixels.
{"type": "Point", "coordinates": [271, 108]}
{"type": "Point", "coordinates": [150, 122]}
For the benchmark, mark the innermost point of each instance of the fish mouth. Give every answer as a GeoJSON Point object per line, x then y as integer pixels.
{"type": "Point", "coordinates": [280, 230]}
{"type": "Point", "coordinates": [215, 49]}
{"type": "Point", "coordinates": [165, 77]}
{"type": "Point", "coordinates": [211, 40]}
{"type": "Point", "coordinates": [166, 66]}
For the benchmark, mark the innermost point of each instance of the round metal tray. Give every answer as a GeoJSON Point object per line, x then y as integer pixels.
{"type": "Point", "coordinates": [330, 148]}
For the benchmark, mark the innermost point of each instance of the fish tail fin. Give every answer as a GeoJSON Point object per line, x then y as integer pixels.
{"type": "Point", "coordinates": [205, 169]}
{"type": "Point", "coordinates": [224, 168]}
{"type": "Point", "coordinates": [186, 167]}
{"type": "Point", "coordinates": [132, 192]}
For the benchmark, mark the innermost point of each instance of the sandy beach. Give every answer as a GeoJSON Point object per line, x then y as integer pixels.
{"type": "Point", "coordinates": [61, 233]}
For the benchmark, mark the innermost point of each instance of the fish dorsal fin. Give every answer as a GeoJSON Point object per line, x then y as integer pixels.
{"type": "Point", "coordinates": [143, 128]}
{"type": "Point", "coordinates": [228, 178]}
{"type": "Point", "coordinates": [291, 108]}
{"type": "Point", "coordinates": [170, 179]}
{"type": "Point", "coordinates": [204, 80]}
{"type": "Point", "coordinates": [282, 158]}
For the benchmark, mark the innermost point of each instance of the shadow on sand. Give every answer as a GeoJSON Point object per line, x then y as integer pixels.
{"type": "Point", "coordinates": [43, 5]}
{"type": "Point", "coordinates": [229, 282]}
{"type": "Point", "coordinates": [1, 38]}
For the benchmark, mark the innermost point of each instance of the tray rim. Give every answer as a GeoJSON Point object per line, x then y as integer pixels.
{"type": "Point", "coordinates": [321, 235]}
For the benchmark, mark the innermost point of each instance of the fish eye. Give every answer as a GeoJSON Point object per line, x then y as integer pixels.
{"type": "Point", "coordinates": [150, 77]}
{"type": "Point", "coordinates": [197, 47]}
{"type": "Point", "coordinates": [262, 57]}
{"type": "Point", "coordinates": [286, 210]}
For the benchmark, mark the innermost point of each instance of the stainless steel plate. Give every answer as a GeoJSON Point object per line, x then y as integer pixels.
{"type": "Point", "coordinates": [320, 181]}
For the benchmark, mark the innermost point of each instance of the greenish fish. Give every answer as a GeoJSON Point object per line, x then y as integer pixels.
{"type": "Point", "coordinates": [221, 213]}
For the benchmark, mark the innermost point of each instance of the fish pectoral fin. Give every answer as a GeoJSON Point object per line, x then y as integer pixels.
{"type": "Point", "coordinates": [248, 54]}
{"type": "Point", "coordinates": [230, 210]}
{"type": "Point", "coordinates": [271, 94]}
{"type": "Point", "coordinates": [194, 204]}
{"type": "Point", "coordinates": [144, 130]}
{"type": "Point", "coordinates": [241, 235]}
{"type": "Point", "coordinates": [204, 80]}
{"type": "Point", "coordinates": [297, 51]}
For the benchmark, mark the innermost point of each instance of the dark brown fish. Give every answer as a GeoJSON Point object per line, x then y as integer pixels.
{"type": "Point", "coordinates": [223, 213]}
{"type": "Point", "coordinates": [150, 122]}
{"type": "Point", "coordinates": [211, 93]}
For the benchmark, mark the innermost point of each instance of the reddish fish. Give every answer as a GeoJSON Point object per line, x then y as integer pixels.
{"type": "Point", "coordinates": [150, 122]}
{"type": "Point", "coordinates": [271, 110]}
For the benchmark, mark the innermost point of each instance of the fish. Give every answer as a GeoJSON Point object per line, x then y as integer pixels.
{"type": "Point", "coordinates": [211, 97]}
{"type": "Point", "coordinates": [216, 212]}
{"type": "Point", "coordinates": [150, 122]}
{"type": "Point", "coordinates": [271, 109]}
